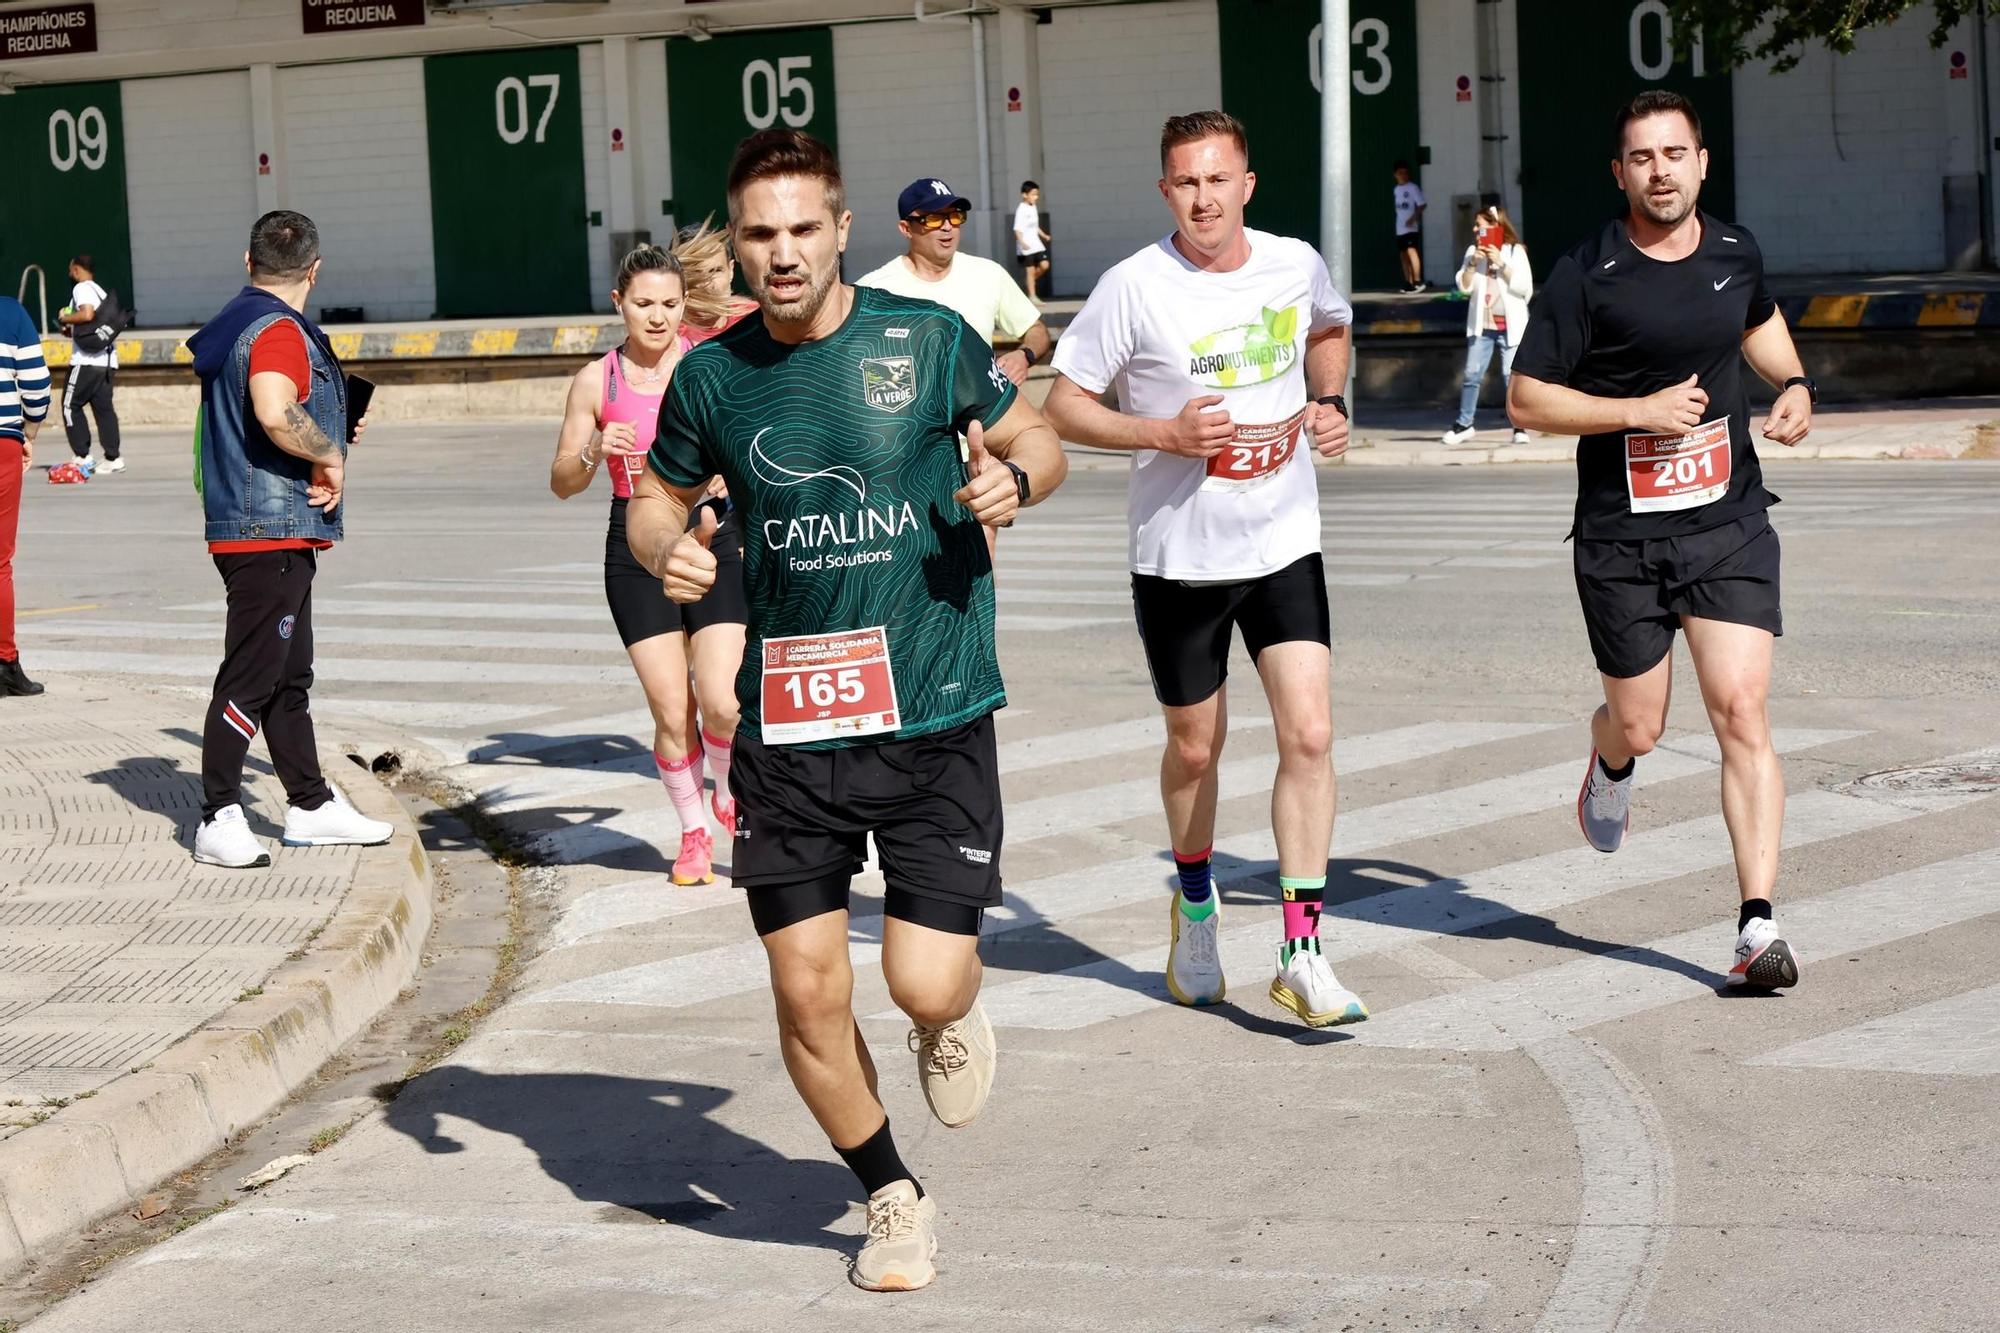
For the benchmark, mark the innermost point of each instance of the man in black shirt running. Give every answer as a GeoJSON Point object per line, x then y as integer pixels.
{"type": "Point", "coordinates": [1637, 343]}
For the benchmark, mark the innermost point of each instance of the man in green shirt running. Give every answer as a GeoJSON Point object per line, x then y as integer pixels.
{"type": "Point", "coordinates": [871, 680]}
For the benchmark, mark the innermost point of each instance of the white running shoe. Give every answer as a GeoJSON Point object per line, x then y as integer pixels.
{"type": "Point", "coordinates": [335, 824]}
{"type": "Point", "coordinates": [955, 1064]}
{"type": "Point", "coordinates": [1308, 988]}
{"type": "Point", "coordinates": [111, 465]}
{"type": "Point", "coordinates": [902, 1241]}
{"type": "Point", "coordinates": [226, 840]}
{"type": "Point", "coordinates": [1763, 960]}
{"type": "Point", "coordinates": [1194, 966]}
{"type": "Point", "coordinates": [1521, 436]}
{"type": "Point", "coordinates": [1458, 435]}
{"type": "Point", "coordinates": [1604, 807]}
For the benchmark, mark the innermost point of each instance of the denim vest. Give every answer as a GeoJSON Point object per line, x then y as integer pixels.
{"type": "Point", "coordinates": [250, 488]}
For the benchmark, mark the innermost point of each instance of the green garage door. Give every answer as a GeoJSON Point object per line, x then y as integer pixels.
{"type": "Point", "coordinates": [66, 189]}
{"type": "Point", "coordinates": [508, 221]}
{"type": "Point", "coordinates": [1270, 81]}
{"type": "Point", "coordinates": [1571, 90]}
{"type": "Point", "coordinates": [722, 90]}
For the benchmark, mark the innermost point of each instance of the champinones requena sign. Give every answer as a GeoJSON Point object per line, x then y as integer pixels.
{"type": "Point", "coordinates": [47, 30]}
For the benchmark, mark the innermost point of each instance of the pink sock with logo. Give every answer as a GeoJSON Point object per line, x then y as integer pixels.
{"type": "Point", "coordinates": [719, 752]}
{"type": "Point", "coordinates": [683, 782]}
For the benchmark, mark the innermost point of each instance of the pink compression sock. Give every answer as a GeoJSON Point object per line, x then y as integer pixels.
{"type": "Point", "coordinates": [683, 782]}
{"type": "Point", "coordinates": [719, 751]}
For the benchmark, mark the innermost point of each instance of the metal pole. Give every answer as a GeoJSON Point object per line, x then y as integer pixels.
{"type": "Point", "coordinates": [983, 196]}
{"type": "Point", "coordinates": [1336, 177]}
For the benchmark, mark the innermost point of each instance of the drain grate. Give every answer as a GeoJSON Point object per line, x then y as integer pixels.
{"type": "Point", "coordinates": [1973, 777]}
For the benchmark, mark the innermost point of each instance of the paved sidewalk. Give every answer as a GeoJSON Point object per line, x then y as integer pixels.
{"type": "Point", "coordinates": [116, 948]}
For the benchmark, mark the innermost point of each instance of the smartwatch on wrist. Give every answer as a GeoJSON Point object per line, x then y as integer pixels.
{"type": "Point", "coordinates": [1020, 479]}
{"type": "Point", "coordinates": [1029, 352]}
{"type": "Point", "coordinates": [1812, 389]}
{"type": "Point", "coordinates": [1334, 401]}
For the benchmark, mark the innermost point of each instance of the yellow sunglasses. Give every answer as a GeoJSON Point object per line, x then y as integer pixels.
{"type": "Point", "coordinates": [936, 221]}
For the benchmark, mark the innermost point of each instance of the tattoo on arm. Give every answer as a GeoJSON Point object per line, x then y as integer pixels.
{"type": "Point", "coordinates": [307, 435]}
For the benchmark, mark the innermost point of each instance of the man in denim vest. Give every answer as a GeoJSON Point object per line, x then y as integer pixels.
{"type": "Point", "coordinates": [270, 461]}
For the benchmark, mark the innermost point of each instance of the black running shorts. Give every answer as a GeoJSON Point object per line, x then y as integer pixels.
{"type": "Point", "coordinates": [1634, 593]}
{"type": "Point", "coordinates": [641, 608]}
{"type": "Point", "coordinates": [932, 802]}
{"type": "Point", "coordinates": [1185, 626]}
{"type": "Point", "coordinates": [1029, 261]}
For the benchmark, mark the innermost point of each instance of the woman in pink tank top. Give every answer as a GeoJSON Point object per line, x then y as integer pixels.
{"type": "Point", "coordinates": [609, 423]}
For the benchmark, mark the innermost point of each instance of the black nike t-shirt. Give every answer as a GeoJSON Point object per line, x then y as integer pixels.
{"type": "Point", "coordinates": [1613, 323]}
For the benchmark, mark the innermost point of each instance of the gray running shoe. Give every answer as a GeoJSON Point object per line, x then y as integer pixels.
{"type": "Point", "coordinates": [1604, 807]}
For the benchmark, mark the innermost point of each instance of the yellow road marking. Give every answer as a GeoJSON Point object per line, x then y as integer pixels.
{"type": "Point", "coordinates": [59, 610]}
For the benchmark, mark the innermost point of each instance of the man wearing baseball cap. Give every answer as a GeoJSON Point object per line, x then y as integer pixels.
{"type": "Point", "coordinates": [931, 215]}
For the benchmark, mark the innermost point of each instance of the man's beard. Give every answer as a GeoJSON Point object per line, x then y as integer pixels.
{"type": "Point", "coordinates": [804, 310]}
{"type": "Point", "coordinates": [1668, 211]}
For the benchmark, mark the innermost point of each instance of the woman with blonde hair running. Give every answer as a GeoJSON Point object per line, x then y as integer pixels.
{"type": "Point", "coordinates": [611, 416]}
{"type": "Point", "coordinates": [703, 251]}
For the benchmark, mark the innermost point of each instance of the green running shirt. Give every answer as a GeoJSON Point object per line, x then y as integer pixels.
{"type": "Point", "coordinates": [842, 457]}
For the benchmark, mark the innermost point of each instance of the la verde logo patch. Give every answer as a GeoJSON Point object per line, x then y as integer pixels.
{"type": "Point", "coordinates": [1247, 353]}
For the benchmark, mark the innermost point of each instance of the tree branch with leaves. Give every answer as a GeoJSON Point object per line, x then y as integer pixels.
{"type": "Point", "coordinates": [1740, 31]}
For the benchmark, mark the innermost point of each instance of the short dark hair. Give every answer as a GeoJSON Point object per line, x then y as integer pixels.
{"type": "Point", "coordinates": [1198, 126]}
{"type": "Point", "coordinates": [84, 262]}
{"type": "Point", "coordinates": [1653, 102]}
{"type": "Point", "coordinates": [283, 244]}
{"type": "Point", "coordinates": [769, 154]}
{"type": "Point", "coordinates": [1399, 165]}
{"type": "Point", "coordinates": [1030, 185]}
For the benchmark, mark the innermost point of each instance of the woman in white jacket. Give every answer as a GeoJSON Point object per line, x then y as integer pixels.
{"type": "Point", "coordinates": [1496, 279]}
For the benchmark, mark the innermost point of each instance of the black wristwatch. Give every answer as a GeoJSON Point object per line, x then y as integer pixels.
{"type": "Point", "coordinates": [1812, 389]}
{"type": "Point", "coordinates": [1334, 400]}
{"type": "Point", "coordinates": [1020, 479]}
{"type": "Point", "coordinates": [1029, 352]}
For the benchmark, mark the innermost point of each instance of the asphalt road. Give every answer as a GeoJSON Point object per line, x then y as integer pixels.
{"type": "Point", "coordinates": [1552, 1121]}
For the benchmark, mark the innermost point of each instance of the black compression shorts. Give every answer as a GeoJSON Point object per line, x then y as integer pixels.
{"type": "Point", "coordinates": [1185, 626]}
{"type": "Point", "coordinates": [1634, 593]}
{"type": "Point", "coordinates": [641, 609]}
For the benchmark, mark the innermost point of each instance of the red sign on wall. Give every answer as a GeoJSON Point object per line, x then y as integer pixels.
{"type": "Point", "coordinates": [52, 30]}
{"type": "Point", "coordinates": [327, 16]}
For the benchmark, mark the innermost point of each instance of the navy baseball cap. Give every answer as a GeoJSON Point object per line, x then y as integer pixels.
{"type": "Point", "coordinates": [929, 195]}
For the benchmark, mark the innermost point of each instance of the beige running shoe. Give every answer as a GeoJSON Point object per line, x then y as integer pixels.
{"type": "Point", "coordinates": [955, 1064]}
{"type": "Point", "coordinates": [902, 1241]}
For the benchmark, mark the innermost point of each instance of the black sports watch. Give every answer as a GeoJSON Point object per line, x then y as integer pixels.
{"type": "Point", "coordinates": [1020, 479]}
{"type": "Point", "coordinates": [1812, 389]}
{"type": "Point", "coordinates": [1029, 352]}
{"type": "Point", "coordinates": [1334, 400]}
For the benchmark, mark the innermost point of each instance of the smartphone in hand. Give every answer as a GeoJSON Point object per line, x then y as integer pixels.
{"type": "Point", "coordinates": [360, 392]}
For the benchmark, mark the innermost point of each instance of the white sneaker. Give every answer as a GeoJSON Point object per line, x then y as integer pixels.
{"type": "Point", "coordinates": [1763, 960]}
{"type": "Point", "coordinates": [111, 465]}
{"type": "Point", "coordinates": [902, 1241]}
{"type": "Point", "coordinates": [1604, 807]}
{"type": "Point", "coordinates": [1194, 966]}
{"type": "Point", "coordinates": [1458, 435]}
{"type": "Point", "coordinates": [955, 1064]}
{"type": "Point", "coordinates": [335, 824]}
{"type": "Point", "coordinates": [1308, 988]}
{"type": "Point", "coordinates": [226, 840]}
{"type": "Point", "coordinates": [1521, 437]}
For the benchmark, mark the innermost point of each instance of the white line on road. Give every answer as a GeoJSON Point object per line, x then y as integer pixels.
{"type": "Point", "coordinates": [1958, 1035]}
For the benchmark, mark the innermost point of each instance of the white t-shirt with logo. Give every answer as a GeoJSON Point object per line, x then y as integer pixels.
{"type": "Point", "coordinates": [1161, 331]}
{"type": "Point", "coordinates": [1409, 198]}
{"type": "Point", "coordinates": [981, 291]}
{"type": "Point", "coordinates": [1027, 229]}
{"type": "Point", "coordinates": [88, 293]}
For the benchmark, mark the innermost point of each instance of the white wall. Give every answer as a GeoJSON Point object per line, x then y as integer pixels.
{"type": "Point", "coordinates": [350, 163]}
{"type": "Point", "coordinates": [1840, 163]}
{"type": "Point", "coordinates": [1447, 47]}
{"type": "Point", "coordinates": [596, 171]}
{"type": "Point", "coordinates": [903, 103]}
{"type": "Point", "coordinates": [650, 141]}
{"type": "Point", "coordinates": [1110, 78]}
{"type": "Point", "coordinates": [191, 191]}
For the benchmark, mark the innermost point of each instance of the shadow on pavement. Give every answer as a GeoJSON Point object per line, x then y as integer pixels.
{"type": "Point", "coordinates": [646, 1147]}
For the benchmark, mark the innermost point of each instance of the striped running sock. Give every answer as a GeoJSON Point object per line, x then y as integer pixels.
{"type": "Point", "coordinates": [1302, 901]}
{"type": "Point", "coordinates": [719, 751]}
{"type": "Point", "coordinates": [1197, 884]}
{"type": "Point", "coordinates": [682, 778]}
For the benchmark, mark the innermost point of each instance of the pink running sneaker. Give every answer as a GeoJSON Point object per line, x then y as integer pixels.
{"type": "Point", "coordinates": [696, 863]}
{"type": "Point", "coordinates": [725, 815]}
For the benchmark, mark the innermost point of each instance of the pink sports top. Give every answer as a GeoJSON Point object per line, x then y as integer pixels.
{"type": "Point", "coordinates": [623, 402]}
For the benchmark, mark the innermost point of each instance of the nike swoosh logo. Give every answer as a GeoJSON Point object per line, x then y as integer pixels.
{"type": "Point", "coordinates": [1724, 283]}
{"type": "Point", "coordinates": [773, 473]}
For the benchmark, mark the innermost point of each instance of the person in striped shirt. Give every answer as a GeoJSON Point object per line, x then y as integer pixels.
{"type": "Point", "coordinates": [24, 405]}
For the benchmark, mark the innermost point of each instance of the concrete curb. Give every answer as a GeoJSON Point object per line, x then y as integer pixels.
{"type": "Point", "coordinates": [94, 1157]}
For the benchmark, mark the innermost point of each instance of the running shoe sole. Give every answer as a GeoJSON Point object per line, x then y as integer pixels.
{"type": "Point", "coordinates": [1773, 969]}
{"type": "Point", "coordinates": [894, 1281]}
{"type": "Point", "coordinates": [1582, 795]}
{"type": "Point", "coordinates": [263, 859]}
{"type": "Point", "coordinates": [1174, 938]}
{"type": "Point", "coordinates": [334, 842]}
{"type": "Point", "coordinates": [1286, 998]}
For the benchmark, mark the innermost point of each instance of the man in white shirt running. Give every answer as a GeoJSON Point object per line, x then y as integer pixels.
{"type": "Point", "coordinates": [1031, 243]}
{"type": "Point", "coordinates": [931, 215]}
{"type": "Point", "coordinates": [92, 372]}
{"type": "Point", "coordinates": [1211, 338]}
